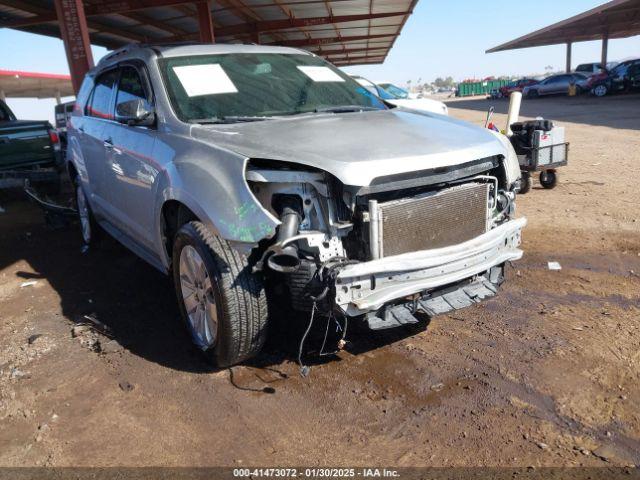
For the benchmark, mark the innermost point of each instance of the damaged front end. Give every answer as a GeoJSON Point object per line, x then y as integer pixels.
{"type": "Point", "coordinates": [430, 241]}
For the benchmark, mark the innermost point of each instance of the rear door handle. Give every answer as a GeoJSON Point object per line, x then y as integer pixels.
{"type": "Point", "coordinates": [108, 143]}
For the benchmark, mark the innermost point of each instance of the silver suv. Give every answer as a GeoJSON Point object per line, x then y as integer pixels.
{"type": "Point", "coordinates": [263, 176]}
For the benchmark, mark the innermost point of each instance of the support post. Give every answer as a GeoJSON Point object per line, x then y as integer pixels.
{"type": "Point", "coordinates": [605, 48]}
{"type": "Point", "coordinates": [58, 97]}
{"type": "Point", "coordinates": [3, 97]}
{"type": "Point", "coordinates": [205, 22]}
{"type": "Point", "coordinates": [75, 35]}
{"type": "Point", "coordinates": [255, 37]}
{"type": "Point", "coordinates": [568, 69]}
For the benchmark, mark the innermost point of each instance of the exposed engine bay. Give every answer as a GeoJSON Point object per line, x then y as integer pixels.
{"type": "Point", "coordinates": [431, 241]}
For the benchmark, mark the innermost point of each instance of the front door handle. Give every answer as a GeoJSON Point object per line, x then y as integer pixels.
{"type": "Point", "coordinates": [81, 129]}
{"type": "Point", "coordinates": [107, 142]}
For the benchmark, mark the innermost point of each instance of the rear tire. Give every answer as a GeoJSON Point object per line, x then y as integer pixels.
{"type": "Point", "coordinates": [548, 179]}
{"type": "Point", "coordinates": [90, 231]}
{"type": "Point", "coordinates": [224, 305]}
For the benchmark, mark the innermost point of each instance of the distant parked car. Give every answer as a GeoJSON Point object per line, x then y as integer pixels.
{"type": "Point", "coordinates": [394, 90]}
{"type": "Point", "coordinates": [615, 80]}
{"type": "Point", "coordinates": [633, 74]}
{"type": "Point", "coordinates": [517, 86]}
{"type": "Point", "coordinates": [63, 113]}
{"type": "Point", "coordinates": [594, 67]}
{"type": "Point", "coordinates": [590, 68]}
{"type": "Point", "coordinates": [400, 97]}
{"type": "Point", "coordinates": [557, 84]}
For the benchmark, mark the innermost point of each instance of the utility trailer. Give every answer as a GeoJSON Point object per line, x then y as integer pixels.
{"type": "Point", "coordinates": [541, 147]}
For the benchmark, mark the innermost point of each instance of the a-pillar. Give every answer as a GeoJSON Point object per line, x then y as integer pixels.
{"type": "Point", "coordinates": [205, 22]}
{"type": "Point", "coordinates": [75, 35]}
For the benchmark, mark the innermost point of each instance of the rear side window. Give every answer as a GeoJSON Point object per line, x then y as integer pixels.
{"type": "Point", "coordinates": [100, 102]}
{"type": "Point", "coordinates": [634, 69]}
{"type": "Point", "coordinates": [130, 87]}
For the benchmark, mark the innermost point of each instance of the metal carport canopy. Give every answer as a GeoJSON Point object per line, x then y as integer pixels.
{"type": "Point", "coordinates": [16, 84]}
{"type": "Point", "coordinates": [615, 19]}
{"type": "Point", "coordinates": [346, 32]}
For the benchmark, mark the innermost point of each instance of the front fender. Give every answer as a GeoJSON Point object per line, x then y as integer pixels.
{"type": "Point", "coordinates": [211, 183]}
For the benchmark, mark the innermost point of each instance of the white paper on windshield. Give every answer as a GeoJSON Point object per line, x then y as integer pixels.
{"type": "Point", "coordinates": [208, 79]}
{"type": "Point", "coordinates": [320, 74]}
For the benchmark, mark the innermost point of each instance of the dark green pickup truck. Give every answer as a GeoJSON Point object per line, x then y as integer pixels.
{"type": "Point", "coordinates": [29, 149]}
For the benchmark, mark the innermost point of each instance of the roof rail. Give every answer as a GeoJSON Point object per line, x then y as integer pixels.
{"type": "Point", "coordinates": [120, 51]}
{"type": "Point", "coordinates": [133, 46]}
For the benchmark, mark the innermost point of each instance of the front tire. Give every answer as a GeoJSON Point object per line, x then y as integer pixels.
{"type": "Point", "coordinates": [221, 301]}
{"type": "Point", "coordinates": [526, 183]}
{"type": "Point", "coordinates": [533, 94]}
{"type": "Point", "coordinates": [600, 90]}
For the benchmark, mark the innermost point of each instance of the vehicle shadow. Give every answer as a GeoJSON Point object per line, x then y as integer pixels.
{"type": "Point", "coordinates": [614, 111]}
{"type": "Point", "coordinates": [135, 302]}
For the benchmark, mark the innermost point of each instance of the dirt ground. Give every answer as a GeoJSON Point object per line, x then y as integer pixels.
{"type": "Point", "coordinates": [545, 374]}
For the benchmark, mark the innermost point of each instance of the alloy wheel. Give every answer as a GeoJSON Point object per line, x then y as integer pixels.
{"type": "Point", "coordinates": [84, 214]}
{"type": "Point", "coordinates": [600, 91]}
{"type": "Point", "coordinates": [198, 296]}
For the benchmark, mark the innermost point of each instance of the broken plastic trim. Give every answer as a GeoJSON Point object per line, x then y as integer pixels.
{"type": "Point", "coordinates": [366, 286]}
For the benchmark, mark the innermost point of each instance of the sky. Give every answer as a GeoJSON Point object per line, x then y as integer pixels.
{"type": "Point", "coordinates": [440, 39]}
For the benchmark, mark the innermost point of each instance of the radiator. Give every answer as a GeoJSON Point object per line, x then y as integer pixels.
{"type": "Point", "coordinates": [433, 220]}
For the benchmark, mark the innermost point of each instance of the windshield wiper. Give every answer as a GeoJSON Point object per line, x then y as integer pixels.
{"type": "Point", "coordinates": [344, 109]}
{"type": "Point", "coordinates": [229, 119]}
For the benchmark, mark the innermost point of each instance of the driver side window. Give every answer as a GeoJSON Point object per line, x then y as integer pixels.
{"type": "Point", "coordinates": [130, 86]}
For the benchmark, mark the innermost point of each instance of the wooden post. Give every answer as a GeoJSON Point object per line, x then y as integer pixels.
{"type": "Point", "coordinates": [568, 69]}
{"type": "Point", "coordinates": [75, 35]}
{"type": "Point", "coordinates": [205, 22]}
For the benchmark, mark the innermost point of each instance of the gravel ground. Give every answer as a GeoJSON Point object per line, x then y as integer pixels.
{"type": "Point", "coordinates": [544, 374]}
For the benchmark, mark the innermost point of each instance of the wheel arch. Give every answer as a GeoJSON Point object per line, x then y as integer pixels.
{"type": "Point", "coordinates": [72, 171]}
{"type": "Point", "coordinates": [173, 215]}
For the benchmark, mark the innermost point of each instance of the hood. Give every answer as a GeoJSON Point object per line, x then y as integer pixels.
{"type": "Point", "coordinates": [358, 147]}
{"type": "Point", "coordinates": [421, 104]}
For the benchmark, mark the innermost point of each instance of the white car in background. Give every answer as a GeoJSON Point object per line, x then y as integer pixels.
{"type": "Point", "coordinates": [400, 97]}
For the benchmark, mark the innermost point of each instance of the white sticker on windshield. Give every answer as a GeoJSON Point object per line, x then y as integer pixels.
{"type": "Point", "coordinates": [207, 79]}
{"type": "Point", "coordinates": [321, 74]}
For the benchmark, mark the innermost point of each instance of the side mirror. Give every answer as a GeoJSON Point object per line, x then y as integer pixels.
{"type": "Point", "coordinates": [135, 112]}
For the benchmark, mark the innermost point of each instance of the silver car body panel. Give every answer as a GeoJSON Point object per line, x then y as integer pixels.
{"type": "Point", "coordinates": [367, 286]}
{"type": "Point", "coordinates": [358, 147]}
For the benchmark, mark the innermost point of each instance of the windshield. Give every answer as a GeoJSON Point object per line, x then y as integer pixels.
{"type": "Point", "coordinates": [248, 86]}
{"type": "Point", "coordinates": [397, 92]}
{"type": "Point", "coordinates": [621, 69]}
